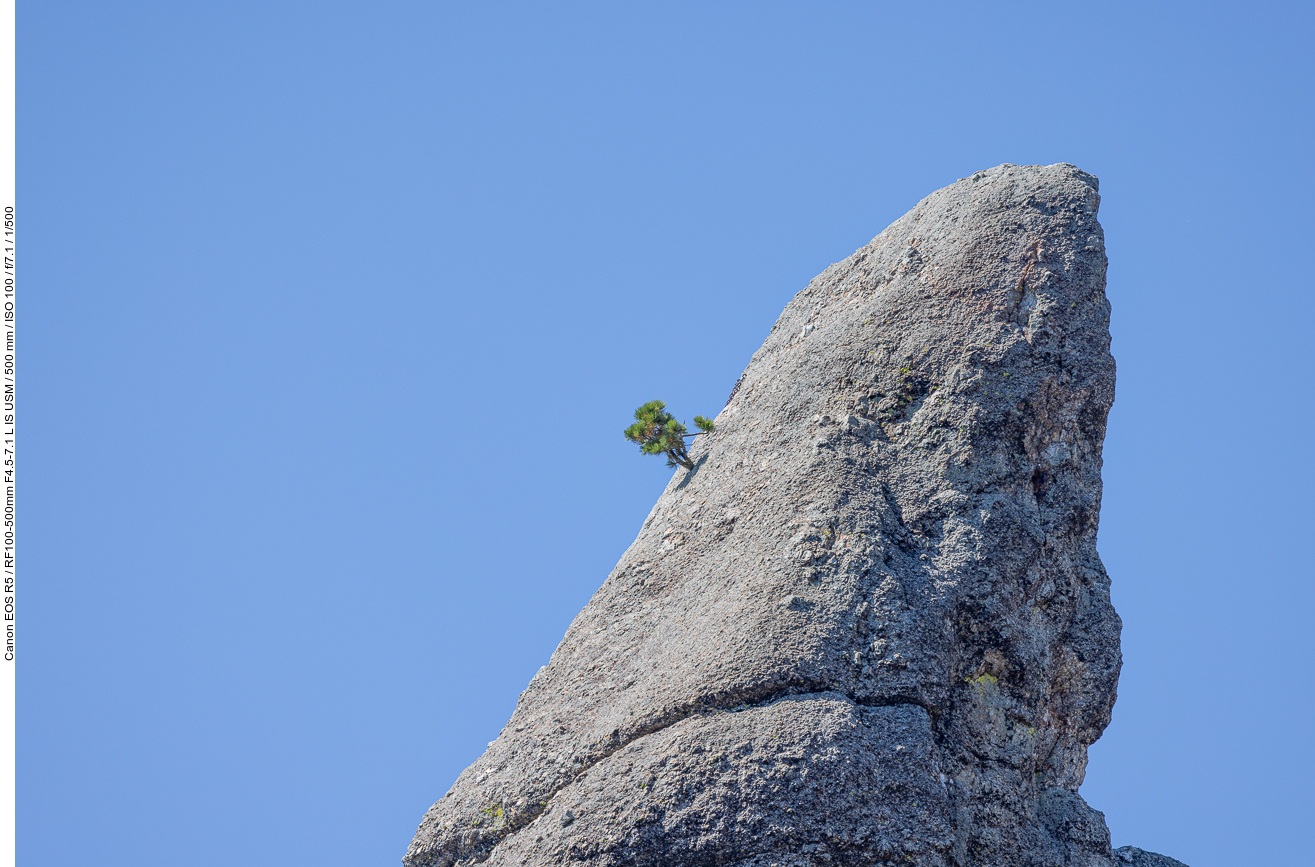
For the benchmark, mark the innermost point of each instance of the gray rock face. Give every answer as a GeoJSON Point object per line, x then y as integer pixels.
{"type": "Point", "coordinates": [871, 626]}
{"type": "Point", "coordinates": [1131, 856]}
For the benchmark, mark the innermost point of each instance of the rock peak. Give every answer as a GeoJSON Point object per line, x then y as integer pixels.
{"type": "Point", "coordinates": [870, 626]}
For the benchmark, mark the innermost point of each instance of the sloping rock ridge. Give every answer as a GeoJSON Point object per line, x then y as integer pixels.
{"type": "Point", "coordinates": [871, 626]}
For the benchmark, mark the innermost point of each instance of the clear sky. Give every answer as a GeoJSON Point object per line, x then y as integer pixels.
{"type": "Point", "coordinates": [332, 315]}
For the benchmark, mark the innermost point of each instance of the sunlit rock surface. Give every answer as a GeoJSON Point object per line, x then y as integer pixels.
{"type": "Point", "coordinates": [871, 625]}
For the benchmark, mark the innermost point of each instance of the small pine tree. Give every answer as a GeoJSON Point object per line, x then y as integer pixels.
{"type": "Point", "coordinates": [658, 432]}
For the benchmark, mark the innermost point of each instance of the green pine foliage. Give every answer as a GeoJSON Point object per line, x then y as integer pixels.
{"type": "Point", "coordinates": [657, 432]}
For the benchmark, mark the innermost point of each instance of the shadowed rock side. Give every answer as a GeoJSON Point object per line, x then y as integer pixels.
{"type": "Point", "coordinates": [871, 626]}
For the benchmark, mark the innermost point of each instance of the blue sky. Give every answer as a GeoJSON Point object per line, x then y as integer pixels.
{"type": "Point", "coordinates": [332, 315]}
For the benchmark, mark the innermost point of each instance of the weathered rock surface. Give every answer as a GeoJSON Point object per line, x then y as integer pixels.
{"type": "Point", "coordinates": [871, 626]}
{"type": "Point", "coordinates": [1131, 856]}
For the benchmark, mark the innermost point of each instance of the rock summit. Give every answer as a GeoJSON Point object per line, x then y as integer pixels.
{"type": "Point", "coordinates": [870, 626]}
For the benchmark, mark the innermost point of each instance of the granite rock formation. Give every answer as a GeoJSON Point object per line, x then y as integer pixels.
{"type": "Point", "coordinates": [1131, 856]}
{"type": "Point", "coordinates": [871, 625]}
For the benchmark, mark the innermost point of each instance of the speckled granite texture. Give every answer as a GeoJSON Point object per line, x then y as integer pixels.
{"type": "Point", "coordinates": [870, 626]}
